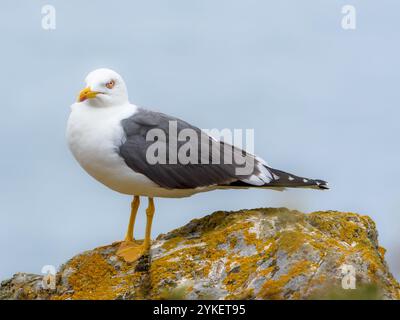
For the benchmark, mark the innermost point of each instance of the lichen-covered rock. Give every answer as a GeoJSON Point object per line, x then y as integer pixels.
{"type": "Point", "coordinates": [248, 254]}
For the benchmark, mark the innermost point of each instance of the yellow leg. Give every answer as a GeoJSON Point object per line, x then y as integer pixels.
{"type": "Point", "coordinates": [131, 250]}
{"type": "Point", "coordinates": [129, 243]}
{"type": "Point", "coordinates": [149, 213]}
{"type": "Point", "coordinates": [134, 209]}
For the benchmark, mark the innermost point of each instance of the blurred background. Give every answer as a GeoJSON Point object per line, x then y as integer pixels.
{"type": "Point", "coordinates": [323, 101]}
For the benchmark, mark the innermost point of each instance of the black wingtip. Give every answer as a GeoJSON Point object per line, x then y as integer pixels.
{"type": "Point", "coordinates": [323, 185]}
{"type": "Point", "coordinates": [288, 180]}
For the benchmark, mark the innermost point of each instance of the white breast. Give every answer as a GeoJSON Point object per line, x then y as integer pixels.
{"type": "Point", "coordinates": [94, 135]}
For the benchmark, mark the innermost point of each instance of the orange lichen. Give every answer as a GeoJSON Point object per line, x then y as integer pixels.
{"type": "Point", "coordinates": [343, 226]}
{"type": "Point", "coordinates": [244, 267]}
{"type": "Point", "coordinates": [272, 289]}
{"type": "Point", "coordinates": [93, 278]}
{"type": "Point", "coordinates": [382, 252]}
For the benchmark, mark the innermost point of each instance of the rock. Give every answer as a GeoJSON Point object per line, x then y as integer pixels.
{"type": "Point", "coordinates": [248, 254]}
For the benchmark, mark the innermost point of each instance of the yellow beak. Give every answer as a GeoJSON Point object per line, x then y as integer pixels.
{"type": "Point", "coordinates": [86, 94]}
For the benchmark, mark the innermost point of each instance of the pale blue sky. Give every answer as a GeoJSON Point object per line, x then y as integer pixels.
{"type": "Point", "coordinates": [324, 103]}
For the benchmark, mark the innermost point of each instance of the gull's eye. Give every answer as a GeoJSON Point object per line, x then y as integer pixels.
{"type": "Point", "coordinates": [110, 84]}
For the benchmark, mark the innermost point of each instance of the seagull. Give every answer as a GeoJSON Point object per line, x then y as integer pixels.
{"type": "Point", "coordinates": [109, 137]}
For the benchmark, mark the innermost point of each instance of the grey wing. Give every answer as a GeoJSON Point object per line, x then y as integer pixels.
{"type": "Point", "coordinates": [177, 175]}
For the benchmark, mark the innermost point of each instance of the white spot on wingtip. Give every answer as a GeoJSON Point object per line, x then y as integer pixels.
{"type": "Point", "coordinates": [291, 178]}
{"type": "Point", "coordinates": [305, 180]}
